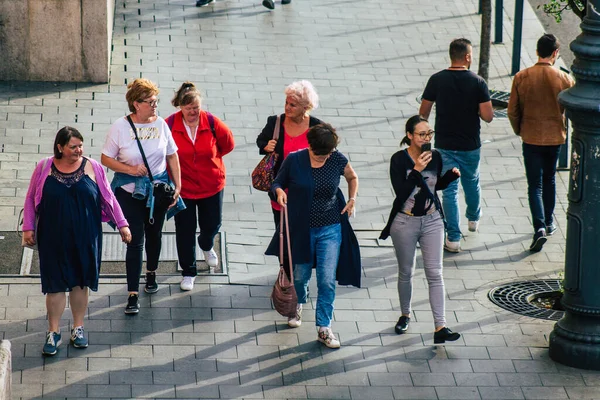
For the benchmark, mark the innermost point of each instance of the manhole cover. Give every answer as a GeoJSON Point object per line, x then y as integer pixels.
{"type": "Point", "coordinates": [515, 297]}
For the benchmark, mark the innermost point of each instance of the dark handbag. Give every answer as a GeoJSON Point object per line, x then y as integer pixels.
{"type": "Point", "coordinates": [163, 192]}
{"type": "Point", "coordinates": [284, 295]}
{"type": "Point", "coordinates": [264, 172]}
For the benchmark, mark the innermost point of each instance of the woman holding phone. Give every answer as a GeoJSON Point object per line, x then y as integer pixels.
{"type": "Point", "coordinates": [417, 217]}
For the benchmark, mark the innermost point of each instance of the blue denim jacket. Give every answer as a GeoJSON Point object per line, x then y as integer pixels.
{"type": "Point", "coordinates": [143, 189]}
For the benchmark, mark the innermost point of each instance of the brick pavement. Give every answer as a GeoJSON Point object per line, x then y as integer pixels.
{"type": "Point", "coordinates": [369, 61]}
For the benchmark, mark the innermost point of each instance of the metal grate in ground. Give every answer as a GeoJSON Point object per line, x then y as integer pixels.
{"type": "Point", "coordinates": [515, 297]}
{"type": "Point", "coordinates": [113, 257]}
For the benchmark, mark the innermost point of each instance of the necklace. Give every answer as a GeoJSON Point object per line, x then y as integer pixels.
{"type": "Point", "coordinates": [461, 67]}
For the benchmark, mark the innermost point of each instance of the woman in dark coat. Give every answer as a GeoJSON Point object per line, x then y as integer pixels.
{"type": "Point", "coordinates": [312, 179]}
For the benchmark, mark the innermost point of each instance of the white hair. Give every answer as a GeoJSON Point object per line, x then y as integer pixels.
{"type": "Point", "coordinates": [305, 92]}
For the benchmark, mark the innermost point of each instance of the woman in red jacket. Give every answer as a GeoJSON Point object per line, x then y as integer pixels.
{"type": "Point", "coordinates": [202, 141]}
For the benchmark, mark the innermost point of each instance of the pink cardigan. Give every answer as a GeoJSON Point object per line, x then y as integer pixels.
{"type": "Point", "coordinates": [110, 208]}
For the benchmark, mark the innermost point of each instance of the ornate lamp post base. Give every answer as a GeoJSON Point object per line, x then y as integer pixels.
{"type": "Point", "coordinates": [575, 340]}
{"type": "Point", "coordinates": [576, 349]}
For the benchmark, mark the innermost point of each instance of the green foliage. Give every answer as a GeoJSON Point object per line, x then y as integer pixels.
{"type": "Point", "coordinates": [555, 8]}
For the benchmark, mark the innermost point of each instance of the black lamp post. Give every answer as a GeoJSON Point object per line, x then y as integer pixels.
{"type": "Point", "coordinates": [575, 340]}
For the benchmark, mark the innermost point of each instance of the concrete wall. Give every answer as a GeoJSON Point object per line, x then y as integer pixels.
{"type": "Point", "coordinates": [5, 370]}
{"type": "Point", "coordinates": [56, 40]}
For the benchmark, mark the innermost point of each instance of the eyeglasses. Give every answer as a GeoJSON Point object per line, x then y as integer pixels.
{"type": "Point", "coordinates": [425, 135]}
{"type": "Point", "coordinates": [151, 103]}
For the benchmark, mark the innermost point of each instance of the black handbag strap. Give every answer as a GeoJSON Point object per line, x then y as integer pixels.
{"type": "Point", "coordinates": [140, 147]}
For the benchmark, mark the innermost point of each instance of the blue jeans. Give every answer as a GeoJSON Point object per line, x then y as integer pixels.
{"type": "Point", "coordinates": [325, 243]}
{"type": "Point", "coordinates": [468, 164]}
{"type": "Point", "coordinates": [540, 168]}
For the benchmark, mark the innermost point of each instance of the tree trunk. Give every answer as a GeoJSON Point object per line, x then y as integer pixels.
{"type": "Point", "coordinates": [484, 46]}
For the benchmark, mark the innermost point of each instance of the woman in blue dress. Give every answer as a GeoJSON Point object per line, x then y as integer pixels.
{"type": "Point", "coordinates": [68, 199]}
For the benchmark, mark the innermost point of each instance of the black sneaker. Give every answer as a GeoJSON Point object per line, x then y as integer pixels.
{"type": "Point", "coordinates": [270, 4]}
{"type": "Point", "coordinates": [286, 1]}
{"type": "Point", "coordinates": [445, 334]}
{"type": "Point", "coordinates": [151, 285]}
{"type": "Point", "coordinates": [550, 229]}
{"type": "Point", "coordinates": [202, 3]}
{"type": "Point", "coordinates": [133, 305]}
{"type": "Point", "coordinates": [402, 325]}
{"type": "Point", "coordinates": [538, 241]}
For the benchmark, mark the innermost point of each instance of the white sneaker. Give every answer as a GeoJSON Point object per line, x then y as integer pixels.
{"type": "Point", "coordinates": [473, 226]}
{"type": "Point", "coordinates": [452, 247]}
{"type": "Point", "coordinates": [297, 320]}
{"type": "Point", "coordinates": [187, 283]}
{"type": "Point", "coordinates": [211, 257]}
{"type": "Point", "coordinates": [327, 337]}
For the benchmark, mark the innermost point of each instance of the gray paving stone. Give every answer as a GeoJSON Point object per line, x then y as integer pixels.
{"type": "Point", "coordinates": [153, 391]}
{"type": "Point", "coordinates": [450, 365]}
{"type": "Point", "coordinates": [544, 393]}
{"type": "Point", "coordinates": [389, 379]}
{"type": "Point", "coordinates": [87, 377]}
{"type": "Point", "coordinates": [328, 392]}
{"type": "Point", "coordinates": [505, 393]}
{"type": "Point", "coordinates": [278, 392]}
{"type": "Point", "coordinates": [108, 364]}
{"type": "Point", "coordinates": [562, 379]}
{"type": "Point", "coordinates": [457, 393]}
{"type": "Point", "coordinates": [492, 366]}
{"type": "Point", "coordinates": [58, 390]}
{"type": "Point", "coordinates": [432, 379]}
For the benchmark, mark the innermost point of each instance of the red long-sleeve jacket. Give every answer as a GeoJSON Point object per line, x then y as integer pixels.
{"type": "Point", "coordinates": [202, 167]}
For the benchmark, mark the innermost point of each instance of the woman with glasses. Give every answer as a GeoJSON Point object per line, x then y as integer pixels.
{"type": "Point", "coordinates": [202, 140]}
{"type": "Point", "coordinates": [416, 217]}
{"type": "Point", "coordinates": [131, 183]}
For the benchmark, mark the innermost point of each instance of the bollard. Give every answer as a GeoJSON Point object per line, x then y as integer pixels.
{"type": "Point", "coordinates": [517, 35]}
{"type": "Point", "coordinates": [5, 370]}
{"type": "Point", "coordinates": [498, 23]}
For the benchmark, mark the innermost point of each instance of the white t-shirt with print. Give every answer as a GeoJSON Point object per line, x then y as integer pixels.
{"type": "Point", "coordinates": [156, 140]}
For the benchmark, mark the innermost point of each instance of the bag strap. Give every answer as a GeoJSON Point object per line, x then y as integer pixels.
{"type": "Point", "coordinates": [277, 128]}
{"type": "Point", "coordinates": [284, 224]}
{"type": "Point", "coordinates": [140, 147]}
{"type": "Point", "coordinates": [211, 122]}
{"type": "Point", "coordinates": [170, 121]}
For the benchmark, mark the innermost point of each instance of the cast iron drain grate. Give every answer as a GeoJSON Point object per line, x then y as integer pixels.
{"type": "Point", "coordinates": [515, 297]}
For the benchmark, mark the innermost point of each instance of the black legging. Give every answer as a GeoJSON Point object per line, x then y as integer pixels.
{"type": "Point", "coordinates": [204, 213]}
{"type": "Point", "coordinates": [138, 215]}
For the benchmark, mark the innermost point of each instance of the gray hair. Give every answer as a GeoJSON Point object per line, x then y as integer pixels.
{"type": "Point", "coordinates": [305, 92]}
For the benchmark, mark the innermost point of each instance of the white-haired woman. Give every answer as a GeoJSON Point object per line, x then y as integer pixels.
{"type": "Point", "coordinates": [300, 99]}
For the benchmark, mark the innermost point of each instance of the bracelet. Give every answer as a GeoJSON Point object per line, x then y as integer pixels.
{"type": "Point", "coordinates": [352, 198]}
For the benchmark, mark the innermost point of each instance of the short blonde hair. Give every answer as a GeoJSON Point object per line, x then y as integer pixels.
{"type": "Point", "coordinates": [305, 92]}
{"type": "Point", "coordinates": [139, 90]}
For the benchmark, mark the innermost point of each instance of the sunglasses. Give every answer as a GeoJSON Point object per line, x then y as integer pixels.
{"type": "Point", "coordinates": [151, 103]}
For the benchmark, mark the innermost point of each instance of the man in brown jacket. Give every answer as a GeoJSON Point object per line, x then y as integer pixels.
{"type": "Point", "coordinates": [537, 117]}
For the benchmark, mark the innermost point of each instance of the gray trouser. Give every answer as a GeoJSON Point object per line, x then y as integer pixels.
{"type": "Point", "coordinates": [428, 230]}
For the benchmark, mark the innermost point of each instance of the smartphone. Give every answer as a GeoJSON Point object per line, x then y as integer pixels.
{"type": "Point", "coordinates": [426, 147]}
